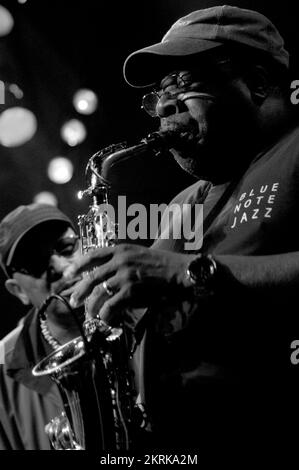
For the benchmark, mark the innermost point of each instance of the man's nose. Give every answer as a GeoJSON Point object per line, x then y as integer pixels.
{"type": "Point", "coordinates": [57, 265]}
{"type": "Point", "coordinates": [167, 105]}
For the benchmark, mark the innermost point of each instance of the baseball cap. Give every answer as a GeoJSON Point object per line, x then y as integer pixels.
{"type": "Point", "coordinates": [19, 222]}
{"type": "Point", "coordinates": [204, 30]}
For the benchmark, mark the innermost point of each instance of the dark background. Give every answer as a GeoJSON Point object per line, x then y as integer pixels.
{"type": "Point", "coordinates": [59, 46]}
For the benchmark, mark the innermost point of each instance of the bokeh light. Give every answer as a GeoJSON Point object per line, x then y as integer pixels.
{"type": "Point", "coordinates": [16, 91]}
{"type": "Point", "coordinates": [6, 21]}
{"type": "Point", "coordinates": [73, 132]}
{"type": "Point", "coordinates": [17, 126]}
{"type": "Point", "coordinates": [46, 197]}
{"type": "Point", "coordinates": [85, 101]}
{"type": "Point", "coordinates": [60, 170]}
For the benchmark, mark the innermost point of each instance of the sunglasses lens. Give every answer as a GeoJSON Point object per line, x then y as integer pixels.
{"type": "Point", "coordinates": [67, 246]}
{"type": "Point", "coordinates": [149, 104]}
{"type": "Point", "coordinates": [30, 267]}
{"type": "Point", "coordinates": [38, 265]}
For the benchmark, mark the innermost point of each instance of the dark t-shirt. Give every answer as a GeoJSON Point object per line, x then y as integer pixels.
{"type": "Point", "coordinates": [231, 363]}
{"type": "Point", "coordinates": [261, 217]}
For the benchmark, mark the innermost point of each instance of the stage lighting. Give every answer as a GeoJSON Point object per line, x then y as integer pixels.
{"type": "Point", "coordinates": [45, 197]}
{"type": "Point", "coordinates": [16, 91]}
{"type": "Point", "coordinates": [73, 132]}
{"type": "Point", "coordinates": [85, 101]}
{"type": "Point", "coordinates": [6, 21]}
{"type": "Point", "coordinates": [60, 170]}
{"type": "Point", "coordinates": [17, 126]}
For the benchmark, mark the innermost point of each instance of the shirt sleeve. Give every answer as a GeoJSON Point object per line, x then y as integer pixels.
{"type": "Point", "coordinates": [9, 435]}
{"type": "Point", "coordinates": [181, 226]}
{"type": "Point", "coordinates": [5, 442]}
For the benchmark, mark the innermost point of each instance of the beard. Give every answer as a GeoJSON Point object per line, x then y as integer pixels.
{"type": "Point", "coordinates": [182, 134]}
{"type": "Point", "coordinates": [208, 146]}
{"type": "Point", "coordinates": [189, 143]}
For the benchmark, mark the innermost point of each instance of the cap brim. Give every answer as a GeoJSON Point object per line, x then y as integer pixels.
{"type": "Point", "coordinates": [56, 218]}
{"type": "Point", "coordinates": [145, 66]}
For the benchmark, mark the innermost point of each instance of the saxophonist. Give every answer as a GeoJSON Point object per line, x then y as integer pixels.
{"type": "Point", "coordinates": [214, 326]}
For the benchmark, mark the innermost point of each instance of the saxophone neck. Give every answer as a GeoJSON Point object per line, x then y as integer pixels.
{"type": "Point", "coordinates": [102, 162]}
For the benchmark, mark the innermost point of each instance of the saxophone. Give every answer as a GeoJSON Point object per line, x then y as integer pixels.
{"type": "Point", "coordinates": [92, 371]}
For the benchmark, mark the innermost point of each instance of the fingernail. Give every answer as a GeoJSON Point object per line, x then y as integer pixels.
{"type": "Point", "coordinates": [73, 302]}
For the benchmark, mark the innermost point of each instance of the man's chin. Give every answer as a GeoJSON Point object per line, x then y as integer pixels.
{"type": "Point", "coordinates": [189, 151]}
{"type": "Point", "coordinates": [80, 312]}
{"type": "Point", "coordinates": [197, 165]}
{"type": "Point", "coordinates": [61, 306]}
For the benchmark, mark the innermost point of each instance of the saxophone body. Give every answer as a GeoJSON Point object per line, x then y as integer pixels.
{"type": "Point", "coordinates": [92, 371]}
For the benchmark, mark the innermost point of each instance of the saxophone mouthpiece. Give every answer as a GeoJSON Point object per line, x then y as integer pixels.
{"type": "Point", "coordinates": [168, 137]}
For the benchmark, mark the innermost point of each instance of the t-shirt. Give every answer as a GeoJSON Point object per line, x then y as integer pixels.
{"type": "Point", "coordinates": [261, 216]}
{"type": "Point", "coordinates": [240, 339]}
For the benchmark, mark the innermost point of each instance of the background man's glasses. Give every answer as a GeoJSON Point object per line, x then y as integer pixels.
{"type": "Point", "coordinates": [38, 263]}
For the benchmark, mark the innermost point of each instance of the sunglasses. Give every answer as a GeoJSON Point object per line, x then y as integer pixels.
{"type": "Point", "coordinates": [37, 261]}
{"type": "Point", "coordinates": [185, 82]}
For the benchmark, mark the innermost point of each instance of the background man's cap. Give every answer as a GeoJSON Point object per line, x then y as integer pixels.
{"type": "Point", "coordinates": [203, 30]}
{"type": "Point", "coordinates": [18, 222]}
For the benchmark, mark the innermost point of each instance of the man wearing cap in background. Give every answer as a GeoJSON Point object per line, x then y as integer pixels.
{"type": "Point", "coordinates": [37, 242]}
{"type": "Point", "coordinates": [217, 377]}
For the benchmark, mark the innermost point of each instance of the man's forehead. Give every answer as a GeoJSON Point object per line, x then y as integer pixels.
{"type": "Point", "coordinates": [186, 76]}
{"type": "Point", "coordinates": [196, 60]}
{"type": "Point", "coordinates": [173, 77]}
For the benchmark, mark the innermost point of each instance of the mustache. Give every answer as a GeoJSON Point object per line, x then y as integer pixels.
{"type": "Point", "coordinates": [178, 133]}
{"type": "Point", "coordinates": [176, 123]}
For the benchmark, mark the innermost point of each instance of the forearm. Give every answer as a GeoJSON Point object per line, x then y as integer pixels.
{"type": "Point", "coordinates": [279, 272]}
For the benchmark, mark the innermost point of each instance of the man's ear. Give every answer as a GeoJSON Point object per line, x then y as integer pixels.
{"type": "Point", "coordinates": [258, 82]}
{"type": "Point", "coordinates": [13, 288]}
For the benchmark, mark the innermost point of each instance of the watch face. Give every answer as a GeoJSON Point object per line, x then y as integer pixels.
{"type": "Point", "coordinates": [197, 269]}
{"type": "Point", "coordinates": [208, 269]}
{"type": "Point", "coordinates": [201, 272]}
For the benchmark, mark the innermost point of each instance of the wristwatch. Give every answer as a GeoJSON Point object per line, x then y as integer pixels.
{"type": "Point", "coordinates": [201, 272]}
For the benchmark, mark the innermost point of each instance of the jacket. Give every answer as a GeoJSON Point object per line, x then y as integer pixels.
{"type": "Point", "coordinates": [27, 403]}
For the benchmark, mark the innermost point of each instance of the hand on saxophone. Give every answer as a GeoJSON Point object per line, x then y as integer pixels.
{"type": "Point", "coordinates": [128, 276]}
